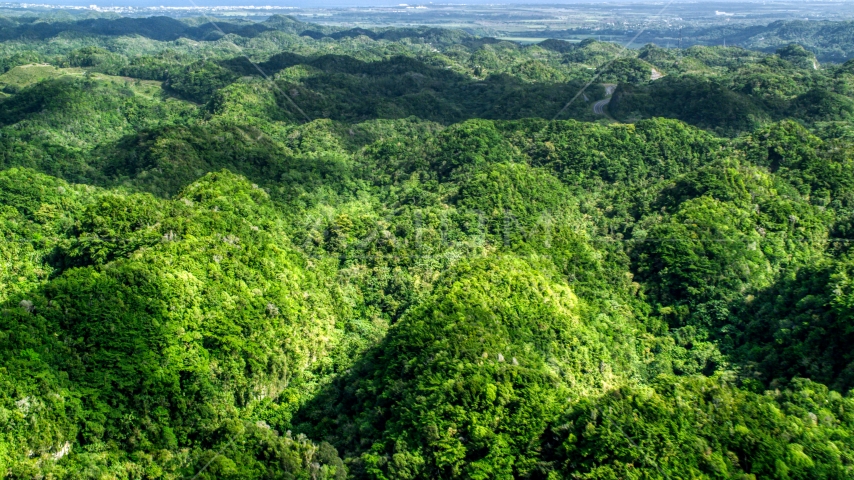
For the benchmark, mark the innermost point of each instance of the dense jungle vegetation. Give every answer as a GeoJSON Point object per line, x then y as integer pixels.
{"type": "Point", "coordinates": [285, 251]}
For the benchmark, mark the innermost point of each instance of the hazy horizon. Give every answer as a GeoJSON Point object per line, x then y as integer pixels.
{"type": "Point", "coordinates": [356, 3]}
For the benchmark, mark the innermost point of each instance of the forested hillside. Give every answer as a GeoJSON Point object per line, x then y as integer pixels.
{"type": "Point", "coordinates": [286, 251]}
{"type": "Point", "coordinates": [830, 41]}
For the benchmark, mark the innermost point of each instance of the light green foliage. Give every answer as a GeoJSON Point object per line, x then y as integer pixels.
{"type": "Point", "coordinates": [706, 428]}
{"type": "Point", "coordinates": [705, 247]}
{"type": "Point", "coordinates": [191, 303]}
{"type": "Point", "coordinates": [465, 383]}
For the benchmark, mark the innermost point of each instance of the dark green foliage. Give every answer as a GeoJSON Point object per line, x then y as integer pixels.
{"type": "Point", "coordinates": [99, 58]}
{"type": "Point", "coordinates": [828, 40]}
{"type": "Point", "coordinates": [595, 53]}
{"type": "Point", "coordinates": [798, 55]}
{"type": "Point", "coordinates": [698, 101]}
{"type": "Point", "coordinates": [469, 145]}
{"type": "Point", "coordinates": [821, 105]}
{"type": "Point", "coordinates": [800, 327]}
{"type": "Point", "coordinates": [199, 81]}
{"type": "Point", "coordinates": [815, 167]}
{"type": "Point", "coordinates": [706, 247]}
{"type": "Point", "coordinates": [157, 28]}
{"type": "Point", "coordinates": [627, 70]}
{"type": "Point", "coordinates": [587, 154]}
{"type": "Point", "coordinates": [734, 93]}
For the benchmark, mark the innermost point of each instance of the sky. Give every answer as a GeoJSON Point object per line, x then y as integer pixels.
{"type": "Point", "coordinates": [295, 3]}
{"type": "Point", "coordinates": [321, 3]}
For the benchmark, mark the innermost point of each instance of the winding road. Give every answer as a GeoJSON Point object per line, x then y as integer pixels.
{"type": "Point", "coordinates": [599, 107]}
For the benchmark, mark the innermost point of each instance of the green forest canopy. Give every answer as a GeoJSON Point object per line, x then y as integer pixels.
{"type": "Point", "coordinates": [427, 277]}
